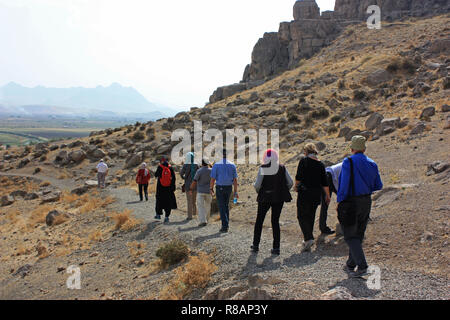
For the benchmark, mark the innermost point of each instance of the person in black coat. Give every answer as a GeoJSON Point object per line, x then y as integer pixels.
{"type": "Point", "coordinates": [311, 181]}
{"type": "Point", "coordinates": [165, 195]}
{"type": "Point", "coordinates": [273, 192]}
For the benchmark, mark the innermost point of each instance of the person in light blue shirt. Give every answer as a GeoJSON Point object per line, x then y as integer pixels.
{"type": "Point", "coordinates": [224, 176]}
{"type": "Point", "coordinates": [333, 173]}
{"type": "Point", "coordinates": [355, 201]}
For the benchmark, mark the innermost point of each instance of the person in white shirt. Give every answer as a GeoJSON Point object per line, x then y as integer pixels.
{"type": "Point", "coordinates": [102, 172]}
{"type": "Point", "coordinates": [333, 173]}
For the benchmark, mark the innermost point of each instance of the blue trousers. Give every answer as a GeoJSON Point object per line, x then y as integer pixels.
{"type": "Point", "coordinates": [223, 194]}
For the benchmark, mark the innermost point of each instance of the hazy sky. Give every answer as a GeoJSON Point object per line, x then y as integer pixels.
{"type": "Point", "coordinates": [173, 52]}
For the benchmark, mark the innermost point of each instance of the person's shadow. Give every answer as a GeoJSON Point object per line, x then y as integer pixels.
{"type": "Point", "coordinates": [148, 229]}
{"type": "Point", "coordinates": [135, 202]}
{"type": "Point", "coordinates": [357, 286]}
{"type": "Point", "coordinates": [201, 239]}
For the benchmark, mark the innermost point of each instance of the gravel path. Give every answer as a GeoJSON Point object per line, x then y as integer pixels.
{"type": "Point", "coordinates": [300, 275]}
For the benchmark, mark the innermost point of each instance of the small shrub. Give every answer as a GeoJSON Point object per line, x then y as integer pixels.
{"type": "Point", "coordinates": [335, 118]}
{"type": "Point", "coordinates": [320, 113]}
{"type": "Point", "coordinates": [172, 253]}
{"type": "Point", "coordinates": [138, 135]}
{"type": "Point", "coordinates": [124, 220]}
{"type": "Point", "coordinates": [195, 274]}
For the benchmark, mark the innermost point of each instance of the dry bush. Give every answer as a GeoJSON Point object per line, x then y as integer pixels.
{"type": "Point", "coordinates": [22, 250]}
{"type": "Point", "coordinates": [172, 253]}
{"type": "Point", "coordinates": [42, 251]}
{"type": "Point", "coordinates": [96, 236]}
{"type": "Point", "coordinates": [124, 220]}
{"type": "Point", "coordinates": [93, 203]}
{"type": "Point", "coordinates": [196, 273]}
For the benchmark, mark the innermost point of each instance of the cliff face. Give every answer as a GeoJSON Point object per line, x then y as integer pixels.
{"type": "Point", "coordinates": [310, 31]}
{"type": "Point", "coordinates": [390, 9]}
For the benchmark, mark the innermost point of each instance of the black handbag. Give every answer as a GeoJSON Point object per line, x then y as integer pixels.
{"type": "Point", "coordinates": [347, 209]}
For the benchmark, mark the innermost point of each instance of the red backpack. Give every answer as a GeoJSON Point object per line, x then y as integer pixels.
{"type": "Point", "coordinates": [166, 176]}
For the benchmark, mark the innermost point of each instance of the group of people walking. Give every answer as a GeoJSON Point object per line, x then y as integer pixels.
{"type": "Point", "coordinates": [353, 181]}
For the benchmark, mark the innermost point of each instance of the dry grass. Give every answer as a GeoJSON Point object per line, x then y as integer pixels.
{"type": "Point", "coordinates": [136, 248]}
{"type": "Point", "coordinates": [38, 215]}
{"type": "Point", "coordinates": [196, 273]}
{"type": "Point", "coordinates": [93, 203]}
{"type": "Point", "coordinates": [124, 221]}
{"type": "Point", "coordinates": [96, 236]}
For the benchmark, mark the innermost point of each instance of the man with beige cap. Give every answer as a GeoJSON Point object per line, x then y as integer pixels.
{"type": "Point", "coordinates": [359, 178]}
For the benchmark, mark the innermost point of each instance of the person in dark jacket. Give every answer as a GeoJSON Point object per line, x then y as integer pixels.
{"type": "Point", "coordinates": [165, 195]}
{"type": "Point", "coordinates": [273, 192]}
{"type": "Point", "coordinates": [142, 179]}
{"type": "Point", "coordinates": [311, 180]}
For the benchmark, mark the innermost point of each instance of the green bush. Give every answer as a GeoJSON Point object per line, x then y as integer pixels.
{"type": "Point", "coordinates": [172, 253]}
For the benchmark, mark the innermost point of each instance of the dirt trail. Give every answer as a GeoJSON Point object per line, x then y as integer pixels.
{"type": "Point", "coordinates": [303, 275]}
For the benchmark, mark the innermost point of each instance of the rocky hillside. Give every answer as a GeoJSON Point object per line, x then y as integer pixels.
{"type": "Point", "coordinates": [391, 85]}
{"type": "Point", "coordinates": [310, 31]}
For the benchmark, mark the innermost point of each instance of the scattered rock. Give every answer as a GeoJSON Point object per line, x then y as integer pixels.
{"type": "Point", "coordinates": [428, 113]}
{"type": "Point", "coordinates": [6, 201]}
{"type": "Point", "coordinates": [427, 236]}
{"type": "Point", "coordinates": [77, 156]}
{"type": "Point", "coordinates": [51, 197]}
{"type": "Point", "coordinates": [419, 128]}
{"type": "Point", "coordinates": [258, 294]}
{"type": "Point", "coordinates": [445, 108]}
{"type": "Point", "coordinates": [374, 121]}
{"type": "Point", "coordinates": [338, 293]}
{"type": "Point", "coordinates": [437, 167]}
{"type": "Point", "coordinates": [18, 193]}
{"type": "Point", "coordinates": [52, 217]}
{"type": "Point", "coordinates": [378, 77]}
{"type": "Point", "coordinates": [31, 196]}
{"type": "Point", "coordinates": [23, 271]}
{"type": "Point", "coordinates": [80, 191]}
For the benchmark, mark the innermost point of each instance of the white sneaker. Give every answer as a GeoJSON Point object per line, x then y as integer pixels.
{"type": "Point", "coordinates": [307, 245]}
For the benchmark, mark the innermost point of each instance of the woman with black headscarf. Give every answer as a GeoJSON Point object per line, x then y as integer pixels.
{"type": "Point", "coordinates": [165, 190]}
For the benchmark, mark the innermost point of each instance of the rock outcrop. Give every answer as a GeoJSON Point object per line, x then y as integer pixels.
{"type": "Point", "coordinates": [310, 31]}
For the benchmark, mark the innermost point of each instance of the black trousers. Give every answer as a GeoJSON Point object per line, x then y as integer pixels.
{"type": "Point", "coordinates": [159, 211]}
{"type": "Point", "coordinates": [143, 187]}
{"type": "Point", "coordinates": [323, 206]}
{"type": "Point", "coordinates": [306, 215]}
{"type": "Point", "coordinates": [263, 208]}
{"type": "Point", "coordinates": [354, 234]}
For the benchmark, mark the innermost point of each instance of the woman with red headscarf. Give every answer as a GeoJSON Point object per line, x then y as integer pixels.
{"type": "Point", "coordinates": [272, 184]}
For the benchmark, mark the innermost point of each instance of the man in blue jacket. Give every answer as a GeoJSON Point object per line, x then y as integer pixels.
{"type": "Point", "coordinates": [224, 176]}
{"type": "Point", "coordinates": [366, 181]}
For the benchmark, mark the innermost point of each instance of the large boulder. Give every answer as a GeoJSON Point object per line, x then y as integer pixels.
{"type": "Point", "coordinates": [52, 217]}
{"type": "Point", "coordinates": [51, 197]}
{"type": "Point", "coordinates": [77, 156]}
{"type": "Point", "coordinates": [134, 160]}
{"type": "Point", "coordinates": [387, 126]}
{"type": "Point", "coordinates": [374, 121]}
{"type": "Point", "coordinates": [378, 77]}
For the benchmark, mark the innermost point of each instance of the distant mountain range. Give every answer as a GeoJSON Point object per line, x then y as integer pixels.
{"type": "Point", "coordinates": [114, 101]}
